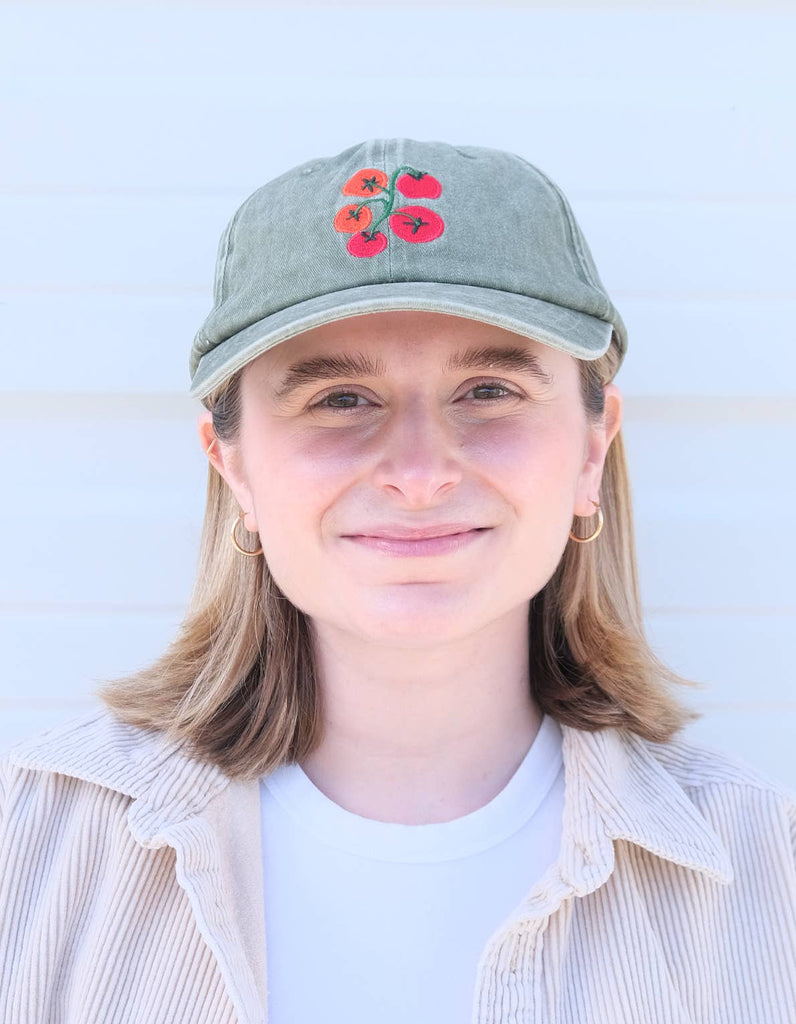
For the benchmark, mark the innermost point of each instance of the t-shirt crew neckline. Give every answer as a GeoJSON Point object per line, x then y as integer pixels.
{"type": "Point", "coordinates": [483, 828]}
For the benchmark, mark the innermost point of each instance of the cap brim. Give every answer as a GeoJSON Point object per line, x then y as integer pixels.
{"type": "Point", "coordinates": [580, 334]}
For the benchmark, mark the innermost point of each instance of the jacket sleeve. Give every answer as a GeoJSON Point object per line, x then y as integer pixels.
{"type": "Point", "coordinates": [51, 846]}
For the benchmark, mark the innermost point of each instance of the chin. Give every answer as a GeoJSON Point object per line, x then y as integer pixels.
{"type": "Point", "coordinates": [415, 637]}
{"type": "Point", "coordinates": [417, 615]}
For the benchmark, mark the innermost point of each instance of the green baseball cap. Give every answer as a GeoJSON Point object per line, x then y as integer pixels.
{"type": "Point", "coordinates": [397, 224]}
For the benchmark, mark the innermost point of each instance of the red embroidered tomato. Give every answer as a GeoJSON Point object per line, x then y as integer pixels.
{"type": "Point", "coordinates": [367, 182]}
{"type": "Point", "coordinates": [363, 244]}
{"type": "Point", "coordinates": [417, 224]}
{"type": "Point", "coordinates": [350, 220]}
{"type": "Point", "coordinates": [419, 186]}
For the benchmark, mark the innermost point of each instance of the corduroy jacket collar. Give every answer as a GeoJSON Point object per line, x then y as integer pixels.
{"type": "Point", "coordinates": [618, 786]}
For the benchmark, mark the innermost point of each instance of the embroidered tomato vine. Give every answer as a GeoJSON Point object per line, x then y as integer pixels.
{"type": "Point", "coordinates": [366, 182]}
{"type": "Point", "coordinates": [417, 224]}
{"type": "Point", "coordinates": [419, 185]}
{"type": "Point", "coordinates": [366, 244]}
{"type": "Point", "coordinates": [410, 223]}
{"type": "Point", "coordinates": [352, 218]}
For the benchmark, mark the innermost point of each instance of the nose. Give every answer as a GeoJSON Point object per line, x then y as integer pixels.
{"type": "Point", "coordinates": [419, 456]}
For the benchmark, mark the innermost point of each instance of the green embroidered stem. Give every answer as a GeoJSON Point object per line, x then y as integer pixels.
{"type": "Point", "coordinates": [416, 222]}
{"type": "Point", "coordinates": [367, 202]}
{"type": "Point", "coordinates": [390, 199]}
{"type": "Point", "coordinates": [371, 184]}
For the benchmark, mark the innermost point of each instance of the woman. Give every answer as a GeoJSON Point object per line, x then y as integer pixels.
{"type": "Point", "coordinates": [410, 733]}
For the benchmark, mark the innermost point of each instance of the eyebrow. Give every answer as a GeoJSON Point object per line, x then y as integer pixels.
{"type": "Point", "coordinates": [514, 359]}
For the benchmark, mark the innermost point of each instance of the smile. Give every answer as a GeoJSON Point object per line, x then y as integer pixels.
{"type": "Point", "coordinates": [415, 547]}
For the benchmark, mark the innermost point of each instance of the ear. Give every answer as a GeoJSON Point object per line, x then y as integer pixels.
{"type": "Point", "coordinates": [599, 438]}
{"type": "Point", "coordinates": [225, 459]}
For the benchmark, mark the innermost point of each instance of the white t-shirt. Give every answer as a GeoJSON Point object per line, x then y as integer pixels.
{"type": "Point", "coordinates": [373, 921]}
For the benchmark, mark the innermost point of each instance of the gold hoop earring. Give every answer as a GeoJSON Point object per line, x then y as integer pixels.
{"type": "Point", "coordinates": [596, 533]}
{"type": "Point", "coordinates": [210, 447]}
{"type": "Point", "coordinates": [235, 544]}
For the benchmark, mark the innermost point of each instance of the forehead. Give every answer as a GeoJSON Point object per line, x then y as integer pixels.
{"type": "Point", "coordinates": [402, 339]}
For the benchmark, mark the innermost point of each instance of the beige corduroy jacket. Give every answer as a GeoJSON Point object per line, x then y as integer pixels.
{"type": "Point", "coordinates": [131, 890]}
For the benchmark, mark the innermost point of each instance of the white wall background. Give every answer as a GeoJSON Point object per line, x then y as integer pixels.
{"type": "Point", "coordinates": [132, 132]}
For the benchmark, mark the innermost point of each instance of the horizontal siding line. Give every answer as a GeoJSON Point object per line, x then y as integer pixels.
{"type": "Point", "coordinates": [50, 189]}
{"type": "Point", "coordinates": [98, 608]}
{"type": "Point", "coordinates": [642, 195]}
{"type": "Point", "coordinates": [42, 703]}
{"type": "Point", "coordinates": [46, 703]}
{"type": "Point", "coordinates": [110, 608]}
{"type": "Point", "coordinates": [619, 295]}
{"type": "Point", "coordinates": [730, 611]}
{"type": "Point", "coordinates": [651, 10]}
{"type": "Point", "coordinates": [725, 410]}
{"type": "Point", "coordinates": [703, 294]}
{"type": "Point", "coordinates": [729, 297]}
{"type": "Point", "coordinates": [169, 405]}
{"type": "Point", "coordinates": [138, 291]}
{"type": "Point", "coordinates": [722, 409]}
{"type": "Point", "coordinates": [762, 706]}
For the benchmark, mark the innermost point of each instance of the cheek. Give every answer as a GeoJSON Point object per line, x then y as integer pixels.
{"type": "Point", "coordinates": [294, 480]}
{"type": "Point", "coordinates": [532, 461]}
{"type": "Point", "coordinates": [536, 472]}
{"type": "Point", "coordinates": [535, 457]}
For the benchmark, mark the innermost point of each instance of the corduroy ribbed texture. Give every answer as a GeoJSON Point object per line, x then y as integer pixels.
{"type": "Point", "coordinates": [130, 890]}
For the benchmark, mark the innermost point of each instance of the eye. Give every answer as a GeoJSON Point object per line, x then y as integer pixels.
{"type": "Point", "coordinates": [492, 391]}
{"type": "Point", "coordinates": [346, 400]}
{"type": "Point", "coordinates": [340, 401]}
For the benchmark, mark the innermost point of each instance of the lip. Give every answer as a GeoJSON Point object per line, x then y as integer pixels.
{"type": "Point", "coordinates": [413, 547]}
{"type": "Point", "coordinates": [395, 532]}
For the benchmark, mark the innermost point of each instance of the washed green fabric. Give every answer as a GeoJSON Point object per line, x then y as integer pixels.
{"type": "Point", "coordinates": [510, 254]}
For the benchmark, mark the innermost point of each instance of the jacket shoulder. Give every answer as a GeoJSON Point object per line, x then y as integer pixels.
{"type": "Point", "coordinates": [696, 765]}
{"type": "Point", "coordinates": [99, 749]}
{"type": "Point", "coordinates": [95, 747]}
{"type": "Point", "coordinates": [752, 811]}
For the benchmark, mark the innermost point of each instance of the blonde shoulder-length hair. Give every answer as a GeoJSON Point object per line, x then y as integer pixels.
{"type": "Point", "coordinates": [238, 683]}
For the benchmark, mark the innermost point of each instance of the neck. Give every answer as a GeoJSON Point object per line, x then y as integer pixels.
{"type": "Point", "coordinates": [422, 735]}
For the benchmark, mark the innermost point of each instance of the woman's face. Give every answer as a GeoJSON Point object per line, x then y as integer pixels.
{"type": "Point", "coordinates": [413, 476]}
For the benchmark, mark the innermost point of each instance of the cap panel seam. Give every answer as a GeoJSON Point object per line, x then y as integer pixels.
{"type": "Point", "coordinates": [223, 256]}
{"type": "Point", "coordinates": [575, 236]}
{"type": "Point", "coordinates": [387, 225]}
{"type": "Point", "coordinates": [230, 242]}
{"type": "Point", "coordinates": [225, 247]}
{"type": "Point", "coordinates": [222, 277]}
{"type": "Point", "coordinates": [573, 232]}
